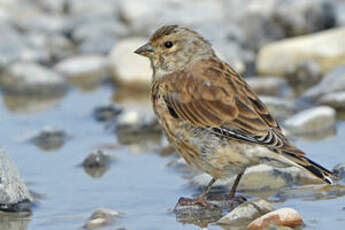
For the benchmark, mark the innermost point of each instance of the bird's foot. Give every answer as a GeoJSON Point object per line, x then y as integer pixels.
{"type": "Point", "coordinates": [197, 201]}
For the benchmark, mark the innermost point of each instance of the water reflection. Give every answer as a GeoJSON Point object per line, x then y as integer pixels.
{"type": "Point", "coordinates": [14, 221]}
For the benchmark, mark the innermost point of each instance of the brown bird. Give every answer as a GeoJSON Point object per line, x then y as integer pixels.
{"type": "Point", "coordinates": [210, 114]}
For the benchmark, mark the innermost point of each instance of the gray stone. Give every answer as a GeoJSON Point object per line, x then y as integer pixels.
{"type": "Point", "coordinates": [267, 85]}
{"type": "Point", "coordinates": [245, 213]}
{"type": "Point", "coordinates": [137, 121]}
{"type": "Point", "coordinates": [50, 138]}
{"type": "Point", "coordinates": [25, 78]}
{"type": "Point", "coordinates": [96, 45]}
{"type": "Point", "coordinates": [57, 46]}
{"type": "Point", "coordinates": [129, 69]}
{"type": "Point", "coordinates": [334, 81]}
{"type": "Point", "coordinates": [310, 16]}
{"type": "Point", "coordinates": [97, 159]}
{"type": "Point", "coordinates": [201, 216]}
{"type": "Point", "coordinates": [303, 75]}
{"type": "Point", "coordinates": [107, 112]}
{"type": "Point", "coordinates": [14, 195]}
{"type": "Point", "coordinates": [339, 170]}
{"type": "Point", "coordinates": [280, 108]}
{"type": "Point", "coordinates": [312, 120]}
{"type": "Point", "coordinates": [275, 58]}
{"type": "Point", "coordinates": [102, 217]}
{"type": "Point", "coordinates": [142, 15]}
{"type": "Point", "coordinates": [335, 100]}
{"type": "Point", "coordinates": [13, 47]}
{"type": "Point", "coordinates": [84, 69]}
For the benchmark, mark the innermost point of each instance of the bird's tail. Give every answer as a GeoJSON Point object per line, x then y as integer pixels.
{"type": "Point", "coordinates": [310, 166]}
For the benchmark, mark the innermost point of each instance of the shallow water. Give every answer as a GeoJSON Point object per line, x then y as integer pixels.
{"type": "Point", "coordinates": [137, 183]}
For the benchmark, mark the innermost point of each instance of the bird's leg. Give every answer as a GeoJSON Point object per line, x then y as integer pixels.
{"type": "Point", "coordinates": [201, 199]}
{"type": "Point", "coordinates": [234, 186]}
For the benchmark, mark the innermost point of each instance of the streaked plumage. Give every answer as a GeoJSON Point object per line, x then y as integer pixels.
{"type": "Point", "coordinates": [208, 111]}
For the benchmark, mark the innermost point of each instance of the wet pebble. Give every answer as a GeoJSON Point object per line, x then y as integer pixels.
{"type": "Point", "coordinates": [14, 48]}
{"type": "Point", "coordinates": [266, 85]}
{"type": "Point", "coordinates": [107, 112]}
{"type": "Point", "coordinates": [202, 216]}
{"type": "Point", "coordinates": [311, 121]}
{"type": "Point", "coordinates": [97, 159]}
{"type": "Point", "coordinates": [282, 217]}
{"type": "Point", "coordinates": [102, 217]}
{"type": "Point", "coordinates": [50, 138]}
{"type": "Point", "coordinates": [137, 121]}
{"type": "Point", "coordinates": [245, 213]}
{"type": "Point", "coordinates": [14, 195]}
{"type": "Point", "coordinates": [333, 81]}
{"type": "Point", "coordinates": [339, 170]}
{"type": "Point", "coordinates": [335, 100]}
{"type": "Point", "coordinates": [131, 70]}
{"type": "Point", "coordinates": [329, 53]}
{"type": "Point", "coordinates": [26, 78]}
{"type": "Point", "coordinates": [309, 16]}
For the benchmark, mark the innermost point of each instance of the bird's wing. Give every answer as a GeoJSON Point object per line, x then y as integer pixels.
{"type": "Point", "coordinates": [212, 95]}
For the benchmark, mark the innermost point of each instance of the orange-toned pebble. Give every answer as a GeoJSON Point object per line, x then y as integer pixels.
{"type": "Point", "coordinates": [281, 217]}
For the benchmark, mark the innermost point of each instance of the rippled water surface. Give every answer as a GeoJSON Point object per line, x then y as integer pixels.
{"type": "Point", "coordinates": [138, 183]}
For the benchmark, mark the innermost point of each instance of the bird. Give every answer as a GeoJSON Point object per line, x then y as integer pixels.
{"type": "Point", "coordinates": [211, 115]}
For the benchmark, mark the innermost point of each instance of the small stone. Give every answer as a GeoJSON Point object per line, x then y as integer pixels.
{"type": "Point", "coordinates": [303, 75]}
{"type": "Point", "coordinates": [339, 170]}
{"type": "Point", "coordinates": [129, 69]}
{"type": "Point", "coordinates": [201, 216]}
{"type": "Point", "coordinates": [100, 45]}
{"type": "Point", "coordinates": [107, 112]}
{"type": "Point", "coordinates": [25, 78]}
{"type": "Point", "coordinates": [14, 48]}
{"type": "Point", "coordinates": [83, 66]}
{"type": "Point", "coordinates": [266, 85]}
{"type": "Point", "coordinates": [282, 217]}
{"type": "Point", "coordinates": [137, 121]}
{"type": "Point", "coordinates": [102, 217]}
{"type": "Point", "coordinates": [245, 213]}
{"type": "Point", "coordinates": [50, 138]}
{"type": "Point", "coordinates": [277, 57]}
{"type": "Point", "coordinates": [334, 81]}
{"type": "Point", "coordinates": [84, 70]}
{"type": "Point", "coordinates": [309, 16]}
{"type": "Point", "coordinates": [14, 195]}
{"type": "Point", "coordinates": [148, 14]}
{"type": "Point", "coordinates": [312, 120]}
{"type": "Point", "coordinates": [335, 100]}
{"type": "Point", "coordinates": [97, 159]}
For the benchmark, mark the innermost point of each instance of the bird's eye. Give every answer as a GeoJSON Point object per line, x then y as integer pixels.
{"type": "Point", "coordinates": [168, 44]}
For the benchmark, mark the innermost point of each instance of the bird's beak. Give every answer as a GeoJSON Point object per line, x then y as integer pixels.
{"type": "Point", "coordinates": [145, 50]}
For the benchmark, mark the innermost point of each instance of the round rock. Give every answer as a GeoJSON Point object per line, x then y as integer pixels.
{"type": "Point", "coordinates": [26, 78]}
{"type": "Point", "coordinates": [129, 69]}
{"type": "Point", "coordinates": [312, 120]}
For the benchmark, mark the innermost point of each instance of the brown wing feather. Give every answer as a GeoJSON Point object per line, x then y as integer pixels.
{"type": "Point", "coordinates": [211, 94]}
